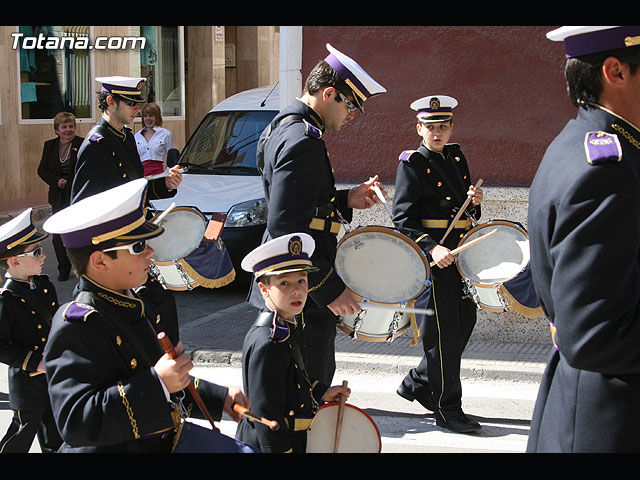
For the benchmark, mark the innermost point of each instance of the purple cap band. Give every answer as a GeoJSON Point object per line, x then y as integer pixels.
{"type": "Point", "coordinates": [4, 245]}
{"type": "Point", "coordinates": [345, 73]}
{"type": "Point", "coordinates": [598, 41]}
{"type": "Point", "coordinates": [82, 238]}
{"type": "Point", "coordinates": [119, 87]}
{"type": "Point", "coordinates": [285, 257]}
{"type": "Point", "coordinates": [439, 110]}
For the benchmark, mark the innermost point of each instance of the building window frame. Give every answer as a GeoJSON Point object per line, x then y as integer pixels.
{"type": "Point", "coordinates": [135, 70]}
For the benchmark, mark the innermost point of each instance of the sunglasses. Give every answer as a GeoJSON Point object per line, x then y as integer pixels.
{"type": "Point", "coordinates": [36, 253]}
{"type": "Point", "coordinates": [126, 101]}
{"type": "Point", "coordinates": [134, 248]}
{"type": "Point", "coordinates": [350, 106]}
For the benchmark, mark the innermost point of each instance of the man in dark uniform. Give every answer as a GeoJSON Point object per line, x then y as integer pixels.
{"type": "Point", "coordinates": [432, 183]}
{"type": "Point", "coordinates": [112, 387]}
{"type": "Point", "coordinates": [108, 157]}
{"type": "Point", "coordinates": [274, 376]}
{"type": "Point", "coordinates": [28, 301]}
{"type": "Point", "coordinates": [584, 224]}
{"type": "Point", "coordinates": [301, 193]}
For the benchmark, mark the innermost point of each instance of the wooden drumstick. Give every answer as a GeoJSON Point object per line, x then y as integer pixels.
{"type": "Point", "coordinates": [383, 200]}
{"type": "Point", "coordinates": [272, 424]}
{"type": "Point", "coordinates": [171, 352]}
{"type": "Point", "coordinates": [339, 419]}
{"type": "Point", "coordinates": [459, 214]}
{"type": "Point", "coordinates": [393, 308]}
{"type": "Point", "coordinates": [164, 214]}
{"type": "Point", "coordinates": [464, 246]}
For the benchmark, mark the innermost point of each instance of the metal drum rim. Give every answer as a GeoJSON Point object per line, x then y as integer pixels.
{"type": "Point", "coordinates": [480, 227]}
{"type": "Point", "coordinates": [397, 234]}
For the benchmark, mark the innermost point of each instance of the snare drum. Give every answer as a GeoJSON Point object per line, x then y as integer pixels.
{"type": "Point", "coordinates": [182, 247]}
{"type": "Point", "coordinates": [381, 266]}
{"type": "Point", "coordinates": [492, 262]}
{"type": "Point", "coordinates": [359, 433]}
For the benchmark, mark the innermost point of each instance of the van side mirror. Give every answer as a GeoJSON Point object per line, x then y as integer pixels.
{"type": "Point", "coordinates": [172, 157]}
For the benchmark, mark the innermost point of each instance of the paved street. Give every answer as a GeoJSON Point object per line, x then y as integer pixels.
{"type": "Point", "coordinates": [503, 408]}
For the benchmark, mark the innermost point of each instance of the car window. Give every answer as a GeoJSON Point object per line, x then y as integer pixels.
{"type": "Point", "coordinates": [225, 143]}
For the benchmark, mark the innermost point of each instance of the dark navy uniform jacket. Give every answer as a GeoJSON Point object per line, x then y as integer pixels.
{"type": "Point", "coordinates": [108, 158]}
{"type": "Point", "coordinates": [430, 189]}
{"type": "Point", "coordinates": [25, 321]}
{"type": "Point", "coordinates": [301, 195]}
{"type": "Point", "coordinates": [105, 394]}
{"type": "Point", "coordinates": [274, 381]}
{"type": "Point", "coordinates": [584, 226]}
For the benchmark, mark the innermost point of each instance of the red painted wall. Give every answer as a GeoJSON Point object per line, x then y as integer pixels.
{"type": "Point", "coordinates": [508, 81]}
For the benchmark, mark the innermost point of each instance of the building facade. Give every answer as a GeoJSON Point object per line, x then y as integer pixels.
{"type": "Point", "coordinates": [52, 68]}
{"type": "Point", "coordinates": [508, 81]}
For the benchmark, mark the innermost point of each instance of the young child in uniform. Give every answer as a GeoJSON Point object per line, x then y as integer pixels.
{"type": "Point", "coordinates": [273, 371]}
{"type": "Point", "coordinates": [113, 389]}
{"type": "Point", "coordinates": [28, 302]}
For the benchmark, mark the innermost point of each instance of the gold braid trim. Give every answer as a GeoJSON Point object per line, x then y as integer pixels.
{"type": "Point", "coordinates": [529, 312]}
{"type": "Point", "coordinates": [116, 301]}
{"type": "Point", "coordinates": [125, 402]}
{"type": "Point", "coordinates": [26, 360]}
{"type": "Point", "coordinates": [207, 282]}
{"type": "Point", "coordinates": [22, 239]}
{"type": "Point", "coordinates": [323, 281]}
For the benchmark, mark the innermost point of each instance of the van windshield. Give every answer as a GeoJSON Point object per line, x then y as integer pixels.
{"type": "Point", "coordinates": [225, 143]}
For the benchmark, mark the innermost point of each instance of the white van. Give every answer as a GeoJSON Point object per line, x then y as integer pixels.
{"type": "Point", "coordinates": [221, 175]}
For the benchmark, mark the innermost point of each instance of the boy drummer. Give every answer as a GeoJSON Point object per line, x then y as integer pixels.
{"type": "Point", "coordinates": [273, 371]}
{"type": "Point", "coordinates": [432, 183]}
{"type": "Point", "coordinates": [112, 387]}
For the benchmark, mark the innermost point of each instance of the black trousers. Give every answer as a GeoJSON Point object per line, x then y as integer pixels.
{"type": "Point", "coordinates": [319, 336]}
{"type": "Point", "coordinates": [25, 426]}
{"type": "Point", "coordinates": [444, 337]}
{"type": "Point", "coordinates": [64, 265]}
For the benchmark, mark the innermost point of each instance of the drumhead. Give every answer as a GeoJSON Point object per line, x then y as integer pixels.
{"type": "Point", "coordinates": [184, 229]}
{"type": "Point", "coordinates": [496, 259]}
{"type": "Point", "coordinates": [382, 265]}
{"type": "Point", "coordinates": [359, 433]}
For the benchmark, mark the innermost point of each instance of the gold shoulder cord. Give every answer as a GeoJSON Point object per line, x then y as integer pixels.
{"type": "Point", "coordinates": [626, 135]}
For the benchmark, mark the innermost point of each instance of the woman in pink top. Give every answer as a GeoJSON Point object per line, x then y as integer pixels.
{"type": "Point", "coordinates": [153, 140]}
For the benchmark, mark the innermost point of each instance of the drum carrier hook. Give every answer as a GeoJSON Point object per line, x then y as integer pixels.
{"type": "Point", "coordinates": [393, 325]}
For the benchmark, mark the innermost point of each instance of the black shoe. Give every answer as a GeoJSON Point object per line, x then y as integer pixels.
{"type": "Point", "coordinates": [63, 276]}
{"type": "Point", "coordinates": [426, 401]}
{"type": "Point", "coordinates": [460, 424]}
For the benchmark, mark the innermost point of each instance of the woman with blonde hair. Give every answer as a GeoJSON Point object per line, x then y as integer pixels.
{"type": "Point", "coordinates": [57, 167]}
{"type": "Point", "coordinates": [153, 141]}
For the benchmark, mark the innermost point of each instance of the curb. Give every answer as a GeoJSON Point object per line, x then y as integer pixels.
{"type": "Point", "coordinates": [481, 360]}
{"type": "Point", "coordinates": [366, 363]}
